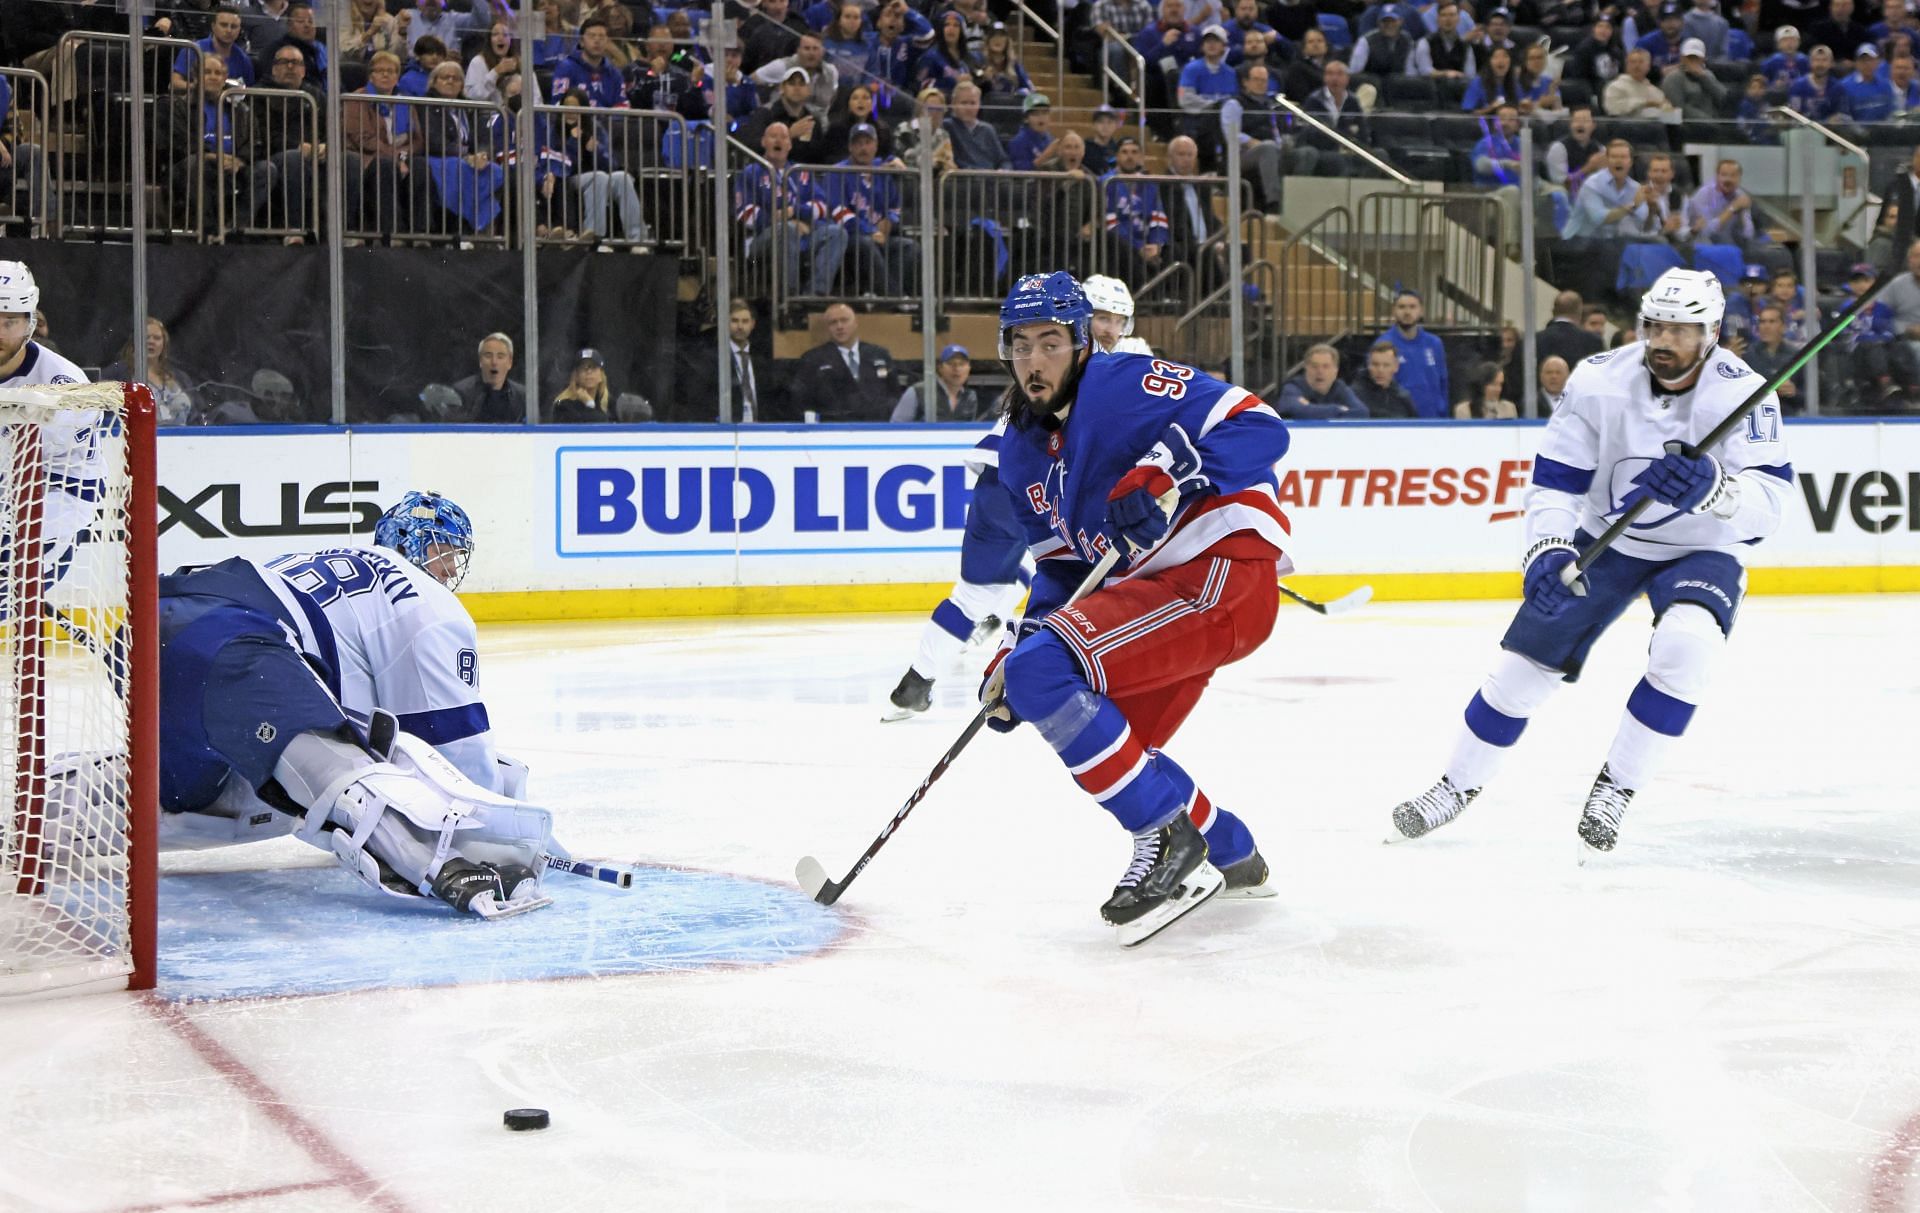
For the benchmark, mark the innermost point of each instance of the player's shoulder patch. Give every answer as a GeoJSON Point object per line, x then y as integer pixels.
{"type": "Point", "coordinates": [1599, 359]}
{"type": "Point", "coordinates": [1732, 370]}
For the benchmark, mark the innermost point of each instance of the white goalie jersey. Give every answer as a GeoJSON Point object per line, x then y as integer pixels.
{"type": "Point", "coordinates": [387, 635]}
{"type": "Point", "coordinates": [1613, 424]}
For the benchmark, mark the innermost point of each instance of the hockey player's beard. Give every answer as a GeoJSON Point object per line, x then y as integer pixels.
{"type": "Point", "coordinates": [1668, 371]}
{"type": "Point", "coordinates": [10, 350]}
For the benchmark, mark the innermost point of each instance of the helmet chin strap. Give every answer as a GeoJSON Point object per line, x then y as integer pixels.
{"type": "Point", "coordinates": [1679, 382]}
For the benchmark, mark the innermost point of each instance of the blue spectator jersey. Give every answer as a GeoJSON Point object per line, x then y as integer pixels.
{"type": "Point", "coordinates": [413, 81]}
{"type": "Point", "coordinates": [860, 201]}
{"type": "Point", "coordinates": [6, 101]}
{"type": "Point", "coordinates": [1867, 100]}
{"type": "Point", "coordinates": [1782, 69]}
{"type": "Point", "coordinates": [1207, 81]}
{"type": "Point", "coordinates": [604, 85]}
{"type": "Point", "coordinates": [1874, 326]}
{"type": "Point", "coordinates": [1490, 155]}
{"type": "Point", "coordinates": [893, 64]}
{"type": "Point", "coordinates": [1480, 94]}
{"type": "Point", "coordinates": [1423, 370]}
{"type": "Point", "coordinates": [1665, 53]}
{"type": "Point", "coordinates": [1133, 211]}
{"type": "Point", "coordinates": [753, 196]}
{"type": "Point", "coordinates": [239, 63]}
{"type": "Point", "coordinates": [215, 134]}
{"type": "Point", "coordinates": [1816, 101]}
{"type": "Point", "coordinates": [1060, 479]}
{"type": "Point", "coordinates": [1025, 145]}
{"type": "Point", "coordinates": [1184, 49]}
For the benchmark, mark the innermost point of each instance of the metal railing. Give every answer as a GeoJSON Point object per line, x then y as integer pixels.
{"type": "Point", "coordinates": [615, 183]}
{"type": "Point", "coordinates": [91, 120]}
{"type": "Point", "coordinates": [863, 235]}
{"type": "Point", "coordinates": [284, 152]}
{"type": "Point", "coordinates": [1820, 128]}
{"type": "Point", "coordinates": [1317, 294]}
{"type": "Point", "coordinates": [1448, 247]}
{"type": "Point", "coordinates": [1138, 88]}
{"type": "Point", "coordinates": [994, 226]}
{"type": "Point", "coordinates": [27, 175]}
{"type": "Point", "coordinates": [1022, 15]}
{"type": "Point", "coordinates": [1347, 145]}
{"type": "Point", "coordinates": [426, 169]}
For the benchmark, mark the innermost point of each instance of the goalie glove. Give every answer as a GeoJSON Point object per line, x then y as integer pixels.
{"type": "Point", "coordinates": [1141, 504]}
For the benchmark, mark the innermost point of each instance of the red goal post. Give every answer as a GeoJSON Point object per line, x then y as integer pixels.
{"type": "Point", "coordinates": [79, 688]}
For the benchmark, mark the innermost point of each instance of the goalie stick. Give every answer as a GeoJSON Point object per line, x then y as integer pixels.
{"type": "Point", "coordinates": [618, 877]}
{"type": "Point", "coordinates": [1339, 606]}
{"type": "Point", "coordinates": [809, 871]}
{"type": "Point", "coordinates": [1728, 424]}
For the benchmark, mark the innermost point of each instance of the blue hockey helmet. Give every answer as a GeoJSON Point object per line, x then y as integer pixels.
{"type": "Point", "coordinates": [1054, 298]}
{"type": "Point", "coordinates": [422, 522]}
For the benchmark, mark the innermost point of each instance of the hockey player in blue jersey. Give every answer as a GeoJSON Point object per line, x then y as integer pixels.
{"type": "Point", "coordinates": [1614, 439]}
{"type": "Point", "coordinates": [334, 694]}
{"type": "Point", "coordinates": [1138, 451]}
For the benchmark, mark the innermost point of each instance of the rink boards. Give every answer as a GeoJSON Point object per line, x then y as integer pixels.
{"type": "Point", "coordinates": [598, 522]}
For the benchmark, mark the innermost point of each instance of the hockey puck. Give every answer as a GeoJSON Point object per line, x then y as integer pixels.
{"type": "Point", "coordinates": [522, 1119]}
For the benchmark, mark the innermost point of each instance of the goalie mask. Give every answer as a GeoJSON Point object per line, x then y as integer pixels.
{"type": "Point", "coordinates": [430, 531]}
{"type": "Point", "coordinates": [1687, 297]}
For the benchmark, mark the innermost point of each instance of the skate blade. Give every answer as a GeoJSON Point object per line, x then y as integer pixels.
{"type": "Point", "coordinates": [896, 713]}
{"type": "Point", "coordinates": [1199, 888]}
{"type": "Point", "coordinates": [495, 910]}
{"type": "Point", "coordinates": [1259, 892]}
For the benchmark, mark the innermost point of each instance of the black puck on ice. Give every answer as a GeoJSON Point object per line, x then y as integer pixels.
{"type": "Point", "coordinates": [522, 1119]}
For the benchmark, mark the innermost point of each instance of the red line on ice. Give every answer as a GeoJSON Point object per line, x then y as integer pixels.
{"type": "Point", "coordinates": [319, 1147]}
{"type": "Point", "coordinates": [1888, 1193]}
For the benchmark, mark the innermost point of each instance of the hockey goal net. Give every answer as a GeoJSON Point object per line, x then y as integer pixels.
{"type": "Point", "coordinates": [78, 688]}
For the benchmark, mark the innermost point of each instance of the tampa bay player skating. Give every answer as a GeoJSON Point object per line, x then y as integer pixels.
{"type": "Point", "coordinates": [1615, 439]}
{"type": "Point", "coordinates": [1127, 449]}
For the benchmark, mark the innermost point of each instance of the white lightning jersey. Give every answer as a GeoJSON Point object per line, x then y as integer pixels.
{"type": "Point", "coordinates": [1612, 425]}
{"type": "Point", "coordinates": [71, 446]}
{"type": "Point", "coordinates": [385, 634]}
{"type": "Point", "coordinates": [1131, 345]}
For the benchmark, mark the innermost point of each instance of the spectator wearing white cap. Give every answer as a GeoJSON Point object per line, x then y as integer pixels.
{"type": "Point", "coordinates": [1869, 97]}
{"type": "Point", "coordinates": [1692, 88]}
{"type": "Point", "coordinates": [823, 79]}
{"type": "Point", "coordinates": [953, 400]}
{"type": "Point", "coordinates": [1206, 80]}
{"type": "Point", "coordinates": [1787, 64]}
{"type": "Point", "coordinates": [1704, 22]}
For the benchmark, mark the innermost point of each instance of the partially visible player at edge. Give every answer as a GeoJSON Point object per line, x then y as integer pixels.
{"type": "Point", "coordinates": [70, 444]}
{"type": "Point", "coordinates": [1178, 467]}
{"type": "Point", "coordinates": [336, 694]}
{"type": "Point", "coordinates": [1613, 440]}
{"type": "Point", "coordinates": [993, 549]}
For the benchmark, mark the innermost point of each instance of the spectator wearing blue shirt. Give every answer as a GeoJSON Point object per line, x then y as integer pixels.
{"type": "Point", "coordinates": [1423, 359]}
{"type": "Point", "coordinates": [1868, 97]}
{"type": "Point", "coordinates": [224, 43]}
{"type": "Point", "coordinates": [1169, 44]}
{"type": "Point", "coordinates": [590, 70]}
{"type": "Point", "coordinates": [1033, 147]}
{"type": "Point", "coordinates": [781, 202]}
{"type": "Point", "coordinates": [742, 98]}
{"type": "Point", "coordinates": [1751, 114]}
{"type": "Point", "coordinates": [1498, 85]}
{"type": "Point", "coordinates": [1316, 393]}
{"type": "Point", "coordinates": [1663, 44]}
{"type": "Point", "coordinates": [847, 42]}
{"type": "Point", "coordinates": [1208, 80]}
{"type": "Point", "coordinates": [428, 54]}
{"type": "Point", "coordinates": [1246, 20]}
{"type": "Point", "coordinates": [867, 205]}
{"type": "Point", "coordinates": [1786, 65]}
{"type": "Point", "coordinates": [1610, 205]}
{"type": "Point", "coordinates": [1817, 95]}
{"type": "Point", "coordinates": [1496, 158]}
{"type": "Point", "coordinates": [891, 54]}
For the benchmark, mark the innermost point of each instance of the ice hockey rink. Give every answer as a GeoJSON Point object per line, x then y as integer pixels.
{"type": "Point", "coordinates": [1724, 1015]}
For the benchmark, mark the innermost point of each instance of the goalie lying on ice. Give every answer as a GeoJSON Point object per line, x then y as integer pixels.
{"type": "Point", "coordinates": [335, 695]}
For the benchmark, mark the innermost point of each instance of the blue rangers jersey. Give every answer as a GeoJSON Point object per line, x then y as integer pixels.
{"type": "Point", "coordinates": [1125, 402]}
{"type": "Point", "coordinates": [1612, 424]}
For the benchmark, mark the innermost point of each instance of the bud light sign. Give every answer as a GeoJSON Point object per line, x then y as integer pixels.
{"type": "Point", "coordinates": [713, 499]}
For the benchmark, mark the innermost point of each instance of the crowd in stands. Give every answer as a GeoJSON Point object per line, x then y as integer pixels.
{"type": "Point", "coordinates": [823, 98]}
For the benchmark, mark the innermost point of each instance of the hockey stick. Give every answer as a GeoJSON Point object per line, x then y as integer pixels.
{"type": "Point", "coordinates": [809, 872]}
{"type": "Point", "coordinates": [1339, 606]}
{"type": "Point", "coordinates": [618, 877]}
{"type": "Point", "coordinates": [1731, 422]}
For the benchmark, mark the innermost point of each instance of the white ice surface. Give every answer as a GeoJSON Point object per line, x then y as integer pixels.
{"type": "Point", "coordinates": [1724, 1015]}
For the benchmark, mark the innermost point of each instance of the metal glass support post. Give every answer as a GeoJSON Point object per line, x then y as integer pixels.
{"type": "Point", "coordinates": [524, 166]}
{"type": "Point", "coordinates": [1529, 315]}
{"type": "Point", "coordinates": [1809, 147]}
{"type": "Point", "coordinates": [929, 306]}
{"type": "Point", "coordinates": [334, 225]}
{"type": "Point", "coordinates": [1236, 261]}
{"type": "Point", "coordinates": [722, 227]}
{"type": "Point", "coordinates": [137, 79]}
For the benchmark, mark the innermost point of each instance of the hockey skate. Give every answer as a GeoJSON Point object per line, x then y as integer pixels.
{"type": "Point", "coordinates": [913, 696]}
{"type": "Point", "coordinates": [1168, 879]}
{"type": "Point", "coordinates": [1606, 805]}
{"type": "Point", "coordinates": [987, 630]}
{"type": "Point", "coordinates": [1247, 879]}
{"type": "Point", "coordinates": [1431, 809]}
